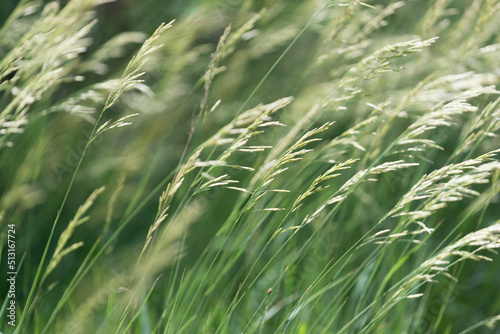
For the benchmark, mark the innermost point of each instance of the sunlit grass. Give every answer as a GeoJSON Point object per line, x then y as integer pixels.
{"type": "Point", "coordinates": [316, 167]}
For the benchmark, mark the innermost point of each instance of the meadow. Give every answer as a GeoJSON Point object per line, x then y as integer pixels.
{"type": "Point", "coordinates": [249, 166]}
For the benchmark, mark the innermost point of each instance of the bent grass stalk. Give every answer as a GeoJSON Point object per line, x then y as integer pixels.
{"type": "Point", "coordinates": [129, 79]}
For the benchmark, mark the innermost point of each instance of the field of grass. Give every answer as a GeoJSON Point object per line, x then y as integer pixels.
{"type": "Point", "coordinates": [249, 166]}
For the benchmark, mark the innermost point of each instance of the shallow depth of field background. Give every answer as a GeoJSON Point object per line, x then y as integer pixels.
{"type": "Point", "coordinates": [255, 278]}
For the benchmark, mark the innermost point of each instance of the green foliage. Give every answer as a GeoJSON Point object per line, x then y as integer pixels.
{"type": "Point", "coordinates": [253, 167]}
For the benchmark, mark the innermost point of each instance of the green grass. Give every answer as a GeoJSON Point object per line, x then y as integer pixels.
{"type": "Point", "coordinates": [253, 167]}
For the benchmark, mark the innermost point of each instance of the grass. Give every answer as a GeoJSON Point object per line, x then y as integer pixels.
{"type": "Point", "coordinates": [253, 167]}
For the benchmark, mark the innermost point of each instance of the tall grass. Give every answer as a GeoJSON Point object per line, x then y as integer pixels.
{"type": "Point", "coordinates": [283, 167]}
